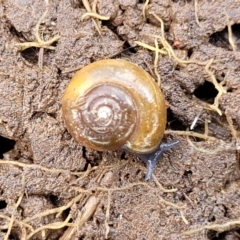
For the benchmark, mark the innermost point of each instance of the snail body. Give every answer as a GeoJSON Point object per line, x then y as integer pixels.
{"type": "Point", "coordinates": [112, 104]}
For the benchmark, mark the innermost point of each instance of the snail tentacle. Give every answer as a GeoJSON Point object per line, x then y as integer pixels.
{"type": "Point", "coordinates": [152, 158]}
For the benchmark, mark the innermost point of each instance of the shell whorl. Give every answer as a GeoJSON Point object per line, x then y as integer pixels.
{"type": "Point", "coordinates": [106, 115]}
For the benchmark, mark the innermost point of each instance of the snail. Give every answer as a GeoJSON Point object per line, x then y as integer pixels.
{"type": "Point", "coordinates": [112, 104]}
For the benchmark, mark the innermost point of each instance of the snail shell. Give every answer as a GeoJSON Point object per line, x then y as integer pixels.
{"type": "Point", "coordinates": [114, 103]}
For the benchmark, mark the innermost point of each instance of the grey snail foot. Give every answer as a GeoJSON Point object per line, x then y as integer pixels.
{"type": "Point", "coordinates": [153, 157]}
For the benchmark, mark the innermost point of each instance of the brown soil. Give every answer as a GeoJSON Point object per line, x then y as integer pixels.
{"type": "Point", "coordinates": [53, 188]}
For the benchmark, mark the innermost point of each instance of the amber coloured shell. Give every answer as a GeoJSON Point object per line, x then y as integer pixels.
{"type": "Point", "coordinates": [113, 103]}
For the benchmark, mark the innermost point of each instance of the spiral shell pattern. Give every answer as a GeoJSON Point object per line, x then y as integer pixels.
{"type": "Point", "coordinates": [114, 103]}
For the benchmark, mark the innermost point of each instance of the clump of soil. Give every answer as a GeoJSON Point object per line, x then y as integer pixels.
{"type": "Point", "coordinates": [53, 188]}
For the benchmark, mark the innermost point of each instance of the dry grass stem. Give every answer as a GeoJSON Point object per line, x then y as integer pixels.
{"type": "Point", "coordinates": [90, 207]}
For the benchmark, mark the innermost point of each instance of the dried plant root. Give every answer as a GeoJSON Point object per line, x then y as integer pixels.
{"type": "Point", "coordinates": [39, 43]}
{"type": "Point", "coordinates": [149, 47]}
{"type": "Point", "coordinates": [130, 186]}
{"type": "Point", "coordinates": [144, 9]}
{"type": "Point", "coordinates": [94, 15]}
{"type": "Point", "coordinates": [236, 140]}
{"type": "Point", "coordinates": [107, 217]}
{"type": "Point", "coordinates": [92, 12]}
{"type": "Point", "coordinates": [196, 12]}
{"type": "Point", "coordinates": [45, 169]}
{"type": "Point", "coordinates": [184, 218]}
{"type": "Point", "coordinates": [156, 63]}
{"type": "Point", "coordinates": [161, 187]}
{"type": "Point", "coordinates": [178, 207]}
{"type": "Point", "coordinates": [234, 133]}
{"type": "Point", "coordinates": [216, 227]}
{"type": "Point", "coordinates": [230, 34]}
{"type": "Point", "coordinates": [171, 204]}
{"type": "Point", "coordinates": [20, 223]}
{"type": "Point", "coordinates": [10, 225]}
{"type": "Point", "coordinates": [12, 219]}
{"type": "Point", "coordinates": [217, 85]}
{"type": "Point", "coordinates": [167, 48]}
{"type": "Point", "coordinates": [55, 225]}
{"type": "Point", "coordinates": [161, 25]}
{"type": "Point", "coordinates": [219, 148]}
{"type": "Point", "coordinates": [58, 210]}
{"type": "Point", "coordinates": [190, 134]}
{"type": "Point", "coordinates": [86, 173]}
